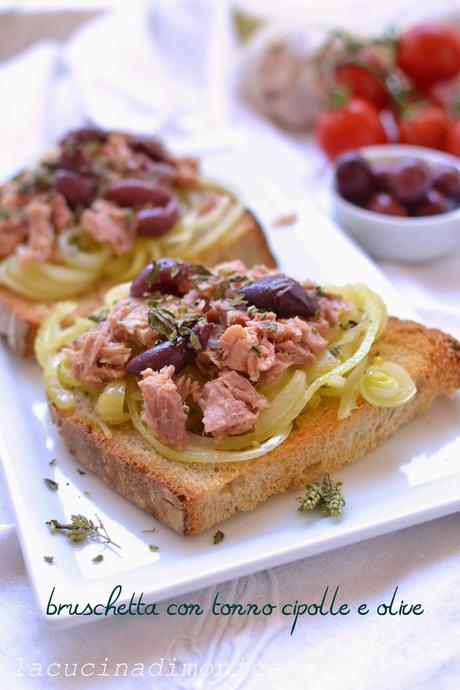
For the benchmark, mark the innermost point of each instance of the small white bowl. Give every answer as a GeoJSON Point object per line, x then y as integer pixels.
{"type": "Point", "coordinates": [395, 238]}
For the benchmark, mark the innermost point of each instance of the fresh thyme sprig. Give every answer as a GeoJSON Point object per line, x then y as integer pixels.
{"type": "Point", "coordinates": [162, 321]}
{"type": "Point", "coordinates": [325, 495]}
{"type": "Point", "coordinates": [81, 528]}
{"type": "Point", "coordinates": [333, 501]}
{"type": "Point", "coordinates": [311, 498]}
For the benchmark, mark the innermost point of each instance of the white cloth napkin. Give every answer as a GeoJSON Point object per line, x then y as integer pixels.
{"type": "Point", "coordinates": [168, 67]}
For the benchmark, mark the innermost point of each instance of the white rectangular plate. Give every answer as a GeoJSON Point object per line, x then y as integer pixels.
{"type": "Point", "coordinates": [413, 477]}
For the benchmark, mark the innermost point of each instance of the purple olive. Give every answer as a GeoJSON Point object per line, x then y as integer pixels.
{"type": "Point", "coordinates": [169, 276]}
{"type": "Point", "coordinates": [382, 174]}
{"type": "Point", "coordinates": [280, 294]}
{"type": "Point", "coordinates": [153, 222]}
{"type": "Point", "coordinates": [150, 146]}
{"type": "Point", "coordinates": [134, 192]}
{"type": "Point", "coordinates": [180, 354]}
{"type": "Point", "coordinates": [203, 331]}
{"type": "Point", "coordinates": [354, 177]}
{"type": "Point", "coordinates": [411, 180]}
{"type": "Point", "coordinates": [78, 190]}
{"type": "Point", "coordinates": [73, 153]}
{"type": "Point", "coordinates": [75, 160]}
{"type": "Point", "coordinates": [83, 135]}
{"type": "Point", "coordinates": [446, 179]}
{"type": "Point", "coordinates": [381, 202]}
{"type": "Point", "coordinates": [432, 203]}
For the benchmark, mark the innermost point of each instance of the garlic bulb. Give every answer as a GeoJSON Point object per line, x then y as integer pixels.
{"type": "Point", "coordinates": [279, 75]}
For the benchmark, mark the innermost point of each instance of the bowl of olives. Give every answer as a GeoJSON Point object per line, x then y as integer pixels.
{"type": "Point", "coordinates": [401, 203]}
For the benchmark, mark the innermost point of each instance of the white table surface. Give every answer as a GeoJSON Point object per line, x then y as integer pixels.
{"type": "Point", "coordinates": [359, 652]}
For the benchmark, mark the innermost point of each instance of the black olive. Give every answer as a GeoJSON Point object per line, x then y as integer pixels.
{"type": "Point", "coordinates": [151, 147]}
{"type": "Point", "coordinates": [180, 353]}
{"type": "Point", "coordinates": [280, 294]}
{"type": "Point", "coordinates": [354, 177]}
{"type": "Point", "coordinates": [168, 276]}
{"type": "Point", "coordinates": [84, 134]}
{"type": "Point", "coordinates": [78, 190]}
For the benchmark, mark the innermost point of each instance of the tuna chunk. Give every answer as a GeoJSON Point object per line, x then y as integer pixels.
{"type": "Point", "coordinates": [96, 359]}
{"type": "Point", "coordinates": [110, 225]}
{"type": "Point", "coordinates": [229, 268]}
{"type": "Point", "coordinates": [117, 152]}
{"type": "Point", "coordinates": [331, 306]}
{"type": "Point", "coordinates": [12, 233]}
{"type": "Point", "coordinates": [243, 351]}
{"type": "Point", "coordinates": [186, 171]}
{"type": "Point", "coordinates": [187, 387]}
{"type": "Point", "coordinates": [40, 243]}
{"type": "Point", "coordinates": [230, 405]}
{"type": "Point", "coordinates": [61, 214]}
{"type": "Point", "coordinates": [296, 342]}
{"type": "Point", "coordinates": [163, 408]}
{"type": "Point", "coordinates": [299, 331]}
{"type": "Point", "coordinates": [128, 321]}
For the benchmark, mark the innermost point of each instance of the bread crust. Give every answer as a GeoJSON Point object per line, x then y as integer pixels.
{"type": "Point", "coordinates": [20, 316]}
{"type": "Point", "coordinates": [190, 498]}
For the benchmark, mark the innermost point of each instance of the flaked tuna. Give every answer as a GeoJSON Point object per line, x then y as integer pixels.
{"type": "Point", "coordinates": [187, 387]}
{"type": "Point", "coordinates": [264, 346]}
{"type": "Point", "coordinates": [110, 225]}
{"type": "Point", "coordinates": [242, 350]}
{"type": "Point", "coordinates": [40, 242]}
{"type": "Point", "coordinates": [128, 320]}
{"type": "Point", "coordinates": [229, 268]}
{"type": "Point", "coordinates": [60, 213]}
{"type": "Point", "coordinates": [163, 406]}
{"type": "Point", "coordinates": [96, 358]}
{"type": "Point", "coordinates": [186, 171]}
{"type": "Point", "coordinates": [296, 342]}
{"type": "Point", "coordinates": [12, 233]}
{"type": "Point", "coordinates": [117, 152]}
{"type": "Point", "coordinates": [230, 405]}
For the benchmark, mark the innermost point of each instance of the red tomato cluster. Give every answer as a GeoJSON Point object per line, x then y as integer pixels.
{"type": "Point", "coordinates": [393, 98]}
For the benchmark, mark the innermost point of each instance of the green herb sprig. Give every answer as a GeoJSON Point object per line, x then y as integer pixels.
{"type": "Point", "coordinates": [325, 495]}
{"type": "Point", "coordinates": [51, 484]}
{"type": "Point", "coordinates": [81, 528]}
{"type": "Point", "coordinates": [218, 537]}
{"type": "Point", "coordinates": [100, 315]}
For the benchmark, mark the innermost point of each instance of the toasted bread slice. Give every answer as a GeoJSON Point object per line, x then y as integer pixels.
{"type": "Point", "coordinates": [190, 498]}
{"type": "Point", "coordinates": [20, 316]}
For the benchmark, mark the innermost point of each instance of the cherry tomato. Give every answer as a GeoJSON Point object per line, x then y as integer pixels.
{"type": "Point", "coordinates": [424, 126]}
{"type": "Point", "coordinates": [451, 142]}
{"type": "Point", "coordinates": [353, 125]}
{"type": "Point", "coordinates": [429, 53]}
{"type": "Point", "coordinates": [362, 83]}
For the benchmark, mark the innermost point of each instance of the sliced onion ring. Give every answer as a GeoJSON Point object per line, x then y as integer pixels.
{"type": "Point", "coordinates": [387, 385]}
